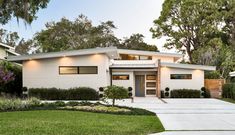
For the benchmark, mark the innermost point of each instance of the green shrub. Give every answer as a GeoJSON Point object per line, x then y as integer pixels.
{"type": "Point", "coordinates": [81, 93]}
{"type": "Point", "coordinates": [115, 92]}
{"type": "Point", "coordinates": [228, 90]}
{"type": "Point", "coordinates": [185, 93]}
{"type": "Point", "coordinates": [205, 92]}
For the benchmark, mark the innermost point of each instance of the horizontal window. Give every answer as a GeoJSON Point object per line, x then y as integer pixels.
{"type": "Point", "coordinates": [151, 77]}
{"type": "Point", "coordinates": [120, 77]}
{"type": "Point", "coordinates": [134, 57]}
{"type": "Point", "coordinates": [151, 84]}
{"type": "Point", "coordinates": [78, 70]}
{"type": "Point", "coordinates": [181, 76]}
{"type": "Point", "coordinates": [150, 91]}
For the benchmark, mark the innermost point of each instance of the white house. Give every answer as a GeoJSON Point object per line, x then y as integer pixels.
{"type": "Point", "coordinates": [6, 50]}
{"type": "Point", "coordinates": [146, 72]}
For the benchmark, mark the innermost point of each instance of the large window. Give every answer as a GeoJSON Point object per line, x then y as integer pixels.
{"type": "Point", "coordinates": [181, 76]}
{"type": "Point", "coordinates": [78, 70]}
{"type": "Point", "coordinates": [120, 77]}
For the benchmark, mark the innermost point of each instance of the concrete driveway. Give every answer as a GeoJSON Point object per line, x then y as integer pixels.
{"type": "Point", "coordinates": [210, 115]}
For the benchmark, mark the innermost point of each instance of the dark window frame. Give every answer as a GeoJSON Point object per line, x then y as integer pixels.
{"type": "Point", "coordinates": [190, 76]}
{"type": "Point", "coordinates": [78, 73]}
{"type": "Point", "coordinates": [128, 76]}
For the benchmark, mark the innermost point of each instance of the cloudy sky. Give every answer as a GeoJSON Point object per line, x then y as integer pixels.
{"type": "Point", "coordinates": [129, 16]}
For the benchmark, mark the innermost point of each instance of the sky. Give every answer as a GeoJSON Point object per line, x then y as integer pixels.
{"type": "Point", "coordinates": [129, 16]}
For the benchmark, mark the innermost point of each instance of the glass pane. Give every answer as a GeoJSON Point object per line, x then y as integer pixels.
{"type": "Point", "coordinates": [120, 77]}
{"type": "Point", "coordinates": [181, 76]}
{"type": "Point", "coordinates": [68, 70]}
{"type": "Point", "coordinates": [145, 58]}
{"type": "Point", "coordinates": [151, 77]}
{"type": "Point", "coordinates": [88, 70]}
{"type": "Point", "coordinates": [151, 84]}
{"type": "Point", "coordinates": [151, 91]}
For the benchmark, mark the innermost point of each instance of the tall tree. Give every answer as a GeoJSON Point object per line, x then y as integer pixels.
{"type": "Point", "coordinates": [136, 42]}
{"type": "Point", "coordinates": [9, 38]}
{"type": "Point", "coordinates": [188, 24]}
{"type": "Point", "coordinates": [21, 9]}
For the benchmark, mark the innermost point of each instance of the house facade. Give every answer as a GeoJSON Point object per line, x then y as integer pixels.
{"type": "Point", "coordinates": [146, 72]}
{"type": "Point", "coordinates": [6, 50]}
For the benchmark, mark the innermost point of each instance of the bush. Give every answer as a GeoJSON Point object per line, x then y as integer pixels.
{"type": "Point", "coordinates": [167, 89]}
{"type": "Point", "coordinates": [162, 94]}
{"type": "Point", "coordinates": [81, 93]}
{"type": "Point", "coordinates": [115, 92]}
{"type": "Point", "coordinates": [205, 92]}
{"type": "Point", "coordinates": [185, 93]}
{"type": "Point", "coordinates": [228, 90]}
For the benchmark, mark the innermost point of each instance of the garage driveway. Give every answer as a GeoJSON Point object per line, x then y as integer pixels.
{"type": "Point", "coordinates": [190, 114]}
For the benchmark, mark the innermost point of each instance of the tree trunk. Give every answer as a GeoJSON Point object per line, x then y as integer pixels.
{"type": "Point", "coordinates": [113, 102]}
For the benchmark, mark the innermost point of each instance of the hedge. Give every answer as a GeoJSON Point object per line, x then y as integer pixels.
{"type": "Point", "coordinates": [228, 90]}
{"type": "Point", "coordinates": [80, 93]}
{"type": "Point", "coordinates": [185, 93]}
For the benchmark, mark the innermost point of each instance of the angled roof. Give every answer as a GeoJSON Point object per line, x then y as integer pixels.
{"type": "Point", "coordinates": [188, 66]}
{"type": "Point", "coordinates": [6, 46]}
{"type": "Point", "coordinates": [139, 52]}
{"type": "Point", "coordinates": [232, 74]}
{"type": "Point", "coordinates": [110, 51]}
{"type": "Point", "coordinates": [12, 52]}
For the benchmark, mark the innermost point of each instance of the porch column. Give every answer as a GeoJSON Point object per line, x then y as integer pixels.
{"type": "Point", "coordinates": [158, 81]}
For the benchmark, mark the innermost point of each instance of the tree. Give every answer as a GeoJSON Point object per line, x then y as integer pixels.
{"type": "Point", "coordinates": [82, 34]}
{"type": "Point", "coordinates": [136, 42]}
{"type": "Point", "coordinates": [188, 24]}
{"type": "Point", "coordinates": [21, 9]}
{"type": "Point", "coordinates": [78, 34]}
{"type": "Point", "coordinates": [9, 38]}
{"type": "Point", "coordinates": [115, 93]}
{"type": "Point", "coordinates": [24, 47]}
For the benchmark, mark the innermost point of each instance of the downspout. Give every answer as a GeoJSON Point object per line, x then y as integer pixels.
{"type": "Point", "coordinates": [111, 74]}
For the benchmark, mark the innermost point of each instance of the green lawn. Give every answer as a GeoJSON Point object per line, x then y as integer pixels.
{"type": "Point", "coordinates": [228, 100]}
{"type": "Point", "coordinates": [59, 122]}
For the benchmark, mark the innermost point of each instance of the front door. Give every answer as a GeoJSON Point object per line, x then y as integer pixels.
{"type": "Point", "coordinates": [139, 86]}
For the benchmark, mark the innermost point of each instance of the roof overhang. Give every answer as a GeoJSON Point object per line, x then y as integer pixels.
{"type": "Point", "coordinates": [188, 66]}
{"type": "Point", "coordinates": [109, 51]}
{"type": "Point", "coordinates": [6, 46]}
{"type": "Point", "coordinates": [232, 74]}
{"type": "Point", "coordinates": [176, 56]}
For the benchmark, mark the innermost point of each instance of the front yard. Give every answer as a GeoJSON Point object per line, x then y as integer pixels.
{"type": "Point", "coordinates": [64, 122]}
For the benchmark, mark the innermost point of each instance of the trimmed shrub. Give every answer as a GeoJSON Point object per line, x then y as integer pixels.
{"type": "Point", "coordinates": [185, 93]}
{"type": "Point", "coordinates": [81, 93]}
{"type": "Point", "coordinates": [162, 94]}
{"type": "Point", "coordinates": [167, 89]}
{"type": "Point", "coordinates": [115, 92]}
{"type": "Point", "coordinates": [205, 92]}
{"type": "Point", "coordinates": [167, 94]}
{"type": "Point", "coordinates": [228, 90]}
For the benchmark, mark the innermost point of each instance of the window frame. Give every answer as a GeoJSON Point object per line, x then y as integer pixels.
{"type": "Point", "coordinates": [78, 73]}
{"type": "Point", "coordinates": [190, 78]}
{"type": "Point", "coordinates": [128, 76]}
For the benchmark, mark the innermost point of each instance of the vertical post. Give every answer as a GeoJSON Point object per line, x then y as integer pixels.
{"type": "Point", "coordinates": [158, 88]}
{"type": "Point", "coordinates": [111, 78]}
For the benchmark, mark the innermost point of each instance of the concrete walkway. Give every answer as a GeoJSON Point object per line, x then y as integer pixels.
{"type": "Point", "coordinates": [190, 116]}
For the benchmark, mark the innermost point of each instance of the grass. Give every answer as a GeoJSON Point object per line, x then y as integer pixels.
{"type": "Point", "coordinates": [62, 122]}
{"type": "Point", "coordinates": [228, 100]}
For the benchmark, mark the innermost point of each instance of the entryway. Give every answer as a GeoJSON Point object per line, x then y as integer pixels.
{"type": "Point", "coordinates": [139, 85]}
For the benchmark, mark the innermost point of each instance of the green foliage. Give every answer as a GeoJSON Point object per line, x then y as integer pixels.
{"type": "Point", "coordinates": [185, 93]}
{"type": "Point", "coordinates": [14, 87]}
{"type": "Point", "coordinates": [20, 9]}
{"type": "Point", "coordinates": [205, 92]}
{"type": "Point", "coordinates": [115, 92]}
{"type": "Point", "coordinates": [228, 91]}
{"type": "Point", "coordinates": [80, 93]}
{"type": "Point", "coordinates": [18, 104]}
{"type": "Point", "coordinates": [212, 75]}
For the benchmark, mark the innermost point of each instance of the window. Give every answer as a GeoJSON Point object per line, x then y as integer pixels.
{"type": "Point", "coordinates": [181, 76]}
{"type": "Point", "coordinates": [78, 70]}
{"type": "Point", "coordinates": [134, 57]}
{"type": "Point", "coordinates": [120, 77]}
{"type": "Point", "coordinates": [151, 84]}
{"type": "Point", "coordinates": [87, 70]}
{"type": "Point", "coordinates": [151, 77]}
{"type": "Point", "coordinates": [68, 70]}
{"type": "Point", "coordinates": [151, 91]}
